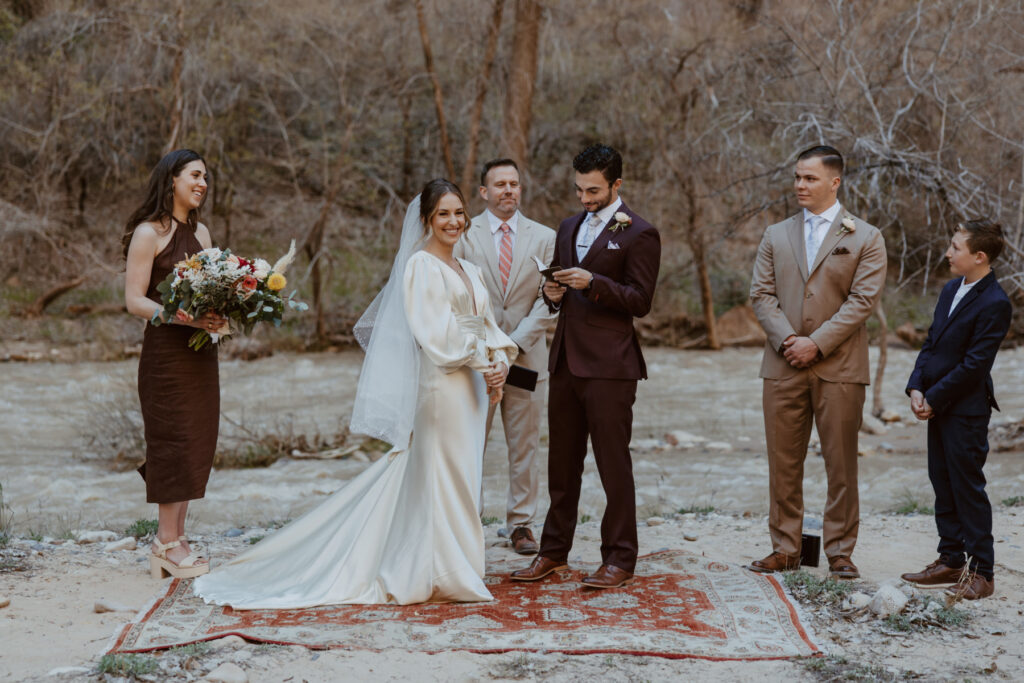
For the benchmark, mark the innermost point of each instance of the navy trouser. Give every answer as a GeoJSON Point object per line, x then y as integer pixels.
{"type": "Point", "coordinates": [957, 449]}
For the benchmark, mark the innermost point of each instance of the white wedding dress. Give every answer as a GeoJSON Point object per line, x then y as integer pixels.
{"type": "Point", "coordinates": [407, 529]}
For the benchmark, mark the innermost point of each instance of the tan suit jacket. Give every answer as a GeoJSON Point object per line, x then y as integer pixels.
{"type": "Point", "coordinates": [520, 311]}
{"type": "Point", "coordinates": [830, 304]}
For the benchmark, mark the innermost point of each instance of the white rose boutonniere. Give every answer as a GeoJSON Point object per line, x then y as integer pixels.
{"type": "Point", "coordinates": [847, 225]}
{"type": "Point", "coordinates": [622, 220]}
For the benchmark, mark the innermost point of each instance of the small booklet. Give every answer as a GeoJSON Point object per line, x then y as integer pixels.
{"type": "Point", "coordinates": [521, 377]}
{"type": "Point", "coordinates": [547, 272]}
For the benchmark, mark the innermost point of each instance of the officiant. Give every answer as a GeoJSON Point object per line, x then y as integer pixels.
{"type": "Point", "coordinates": [504, 243]}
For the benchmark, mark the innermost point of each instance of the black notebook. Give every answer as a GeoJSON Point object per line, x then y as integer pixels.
{"type": "Point", "coordinates": [521, 377]}
{"type": "Point", "coordinates": [810, 549]}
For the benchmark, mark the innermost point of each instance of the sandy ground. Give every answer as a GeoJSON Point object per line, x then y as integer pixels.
{"type": "Point", "coordinates": [51, 624]}
{"type": "Point", "coordinates": [51, 488]}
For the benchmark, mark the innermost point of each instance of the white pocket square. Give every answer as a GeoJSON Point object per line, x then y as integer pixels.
{"type": "Point", "coordinates": [613, 245]}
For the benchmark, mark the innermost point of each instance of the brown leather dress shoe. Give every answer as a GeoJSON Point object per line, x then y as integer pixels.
{"type": "Point", "coordinates": [937, 572]}
{"type": "Point", "coordinates": [776, 562]}
{"type": "Point", "coordinates": [842, 567]}
{"type": "Point", "coordinates": [538, 569]}
{"type": "Point", "coordinates": [523, 542]}
{"type": "Point", "coordinates": [608, 576]}
{"type": "Point", "coordinates": [973, 587]}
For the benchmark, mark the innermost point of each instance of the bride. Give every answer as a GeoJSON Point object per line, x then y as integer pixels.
{"type": "Point", "coordinates": [406, 530]}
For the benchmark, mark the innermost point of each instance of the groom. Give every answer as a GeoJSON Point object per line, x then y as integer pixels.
{"type": "Point", "coordinates": [609, 259]}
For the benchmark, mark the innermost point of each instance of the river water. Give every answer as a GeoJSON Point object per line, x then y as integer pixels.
{"type": "Point", "coordinates": [54, 417]}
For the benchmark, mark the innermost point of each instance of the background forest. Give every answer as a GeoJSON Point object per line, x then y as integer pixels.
{"type": "Point", "coordinates": [321, 119]}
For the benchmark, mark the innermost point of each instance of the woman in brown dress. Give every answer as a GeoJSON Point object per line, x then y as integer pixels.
{"type": "Point", "coordinates": [178, 388]}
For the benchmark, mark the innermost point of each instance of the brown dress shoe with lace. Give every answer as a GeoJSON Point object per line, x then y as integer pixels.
{"type": "Point", "coordinates": [608, 576]}
{"type": "Point", "coordinates": [938, 572]}
{"type": "Point", "coordinates": [842, 567]}
{"type": "Point", "coordinates": [973, 587]}
{"type": "Point", "coordinates": [523, 542]}
{"type": "Point", "coordinates": [776, 562]}
{"type": "Point", "coordinates": [538, 569]}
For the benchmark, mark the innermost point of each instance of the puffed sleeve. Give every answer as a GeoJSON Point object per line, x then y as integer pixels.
{"type": "Point", "coordinates": [432, 321]}
{"type": "Point", "coordinates": [500, 347]}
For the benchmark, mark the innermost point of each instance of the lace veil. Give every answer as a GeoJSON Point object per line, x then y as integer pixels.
{"type": "Point", "coordinates": [385, 404]}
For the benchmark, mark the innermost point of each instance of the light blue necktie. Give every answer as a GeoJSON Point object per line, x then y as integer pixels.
{"type": "Point", "coordinates": [593, 225]}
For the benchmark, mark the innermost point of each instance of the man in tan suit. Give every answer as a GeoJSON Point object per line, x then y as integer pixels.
{"type": "Point", "coordinates": [503, 243]}
{"type": "Point", "coordinates": [817, 277]}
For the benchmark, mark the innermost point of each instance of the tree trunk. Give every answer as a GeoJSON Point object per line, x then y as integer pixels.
{"type": "Point", "coordinates": [695, 239]}
{"type": "Point", "coordinates": [178, 104]}
{"type": "Point", "coordinates": [707, 299]}
{"type": "Point", "coordinates": [468, 171]}
{"type": "Point", "coordinates": [877, 407]}
{"type": "Point", "coordinates": [428, 61]}
{"type": "Point", "coordinates": [522, 78]}
{"type": "Point", "coordinates": [313, 245]}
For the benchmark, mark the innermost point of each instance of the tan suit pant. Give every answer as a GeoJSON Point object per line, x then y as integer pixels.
{"type": "Point", "coordinates": [521, 412]}
{"type": "Point", "coordinates": [790, 405]}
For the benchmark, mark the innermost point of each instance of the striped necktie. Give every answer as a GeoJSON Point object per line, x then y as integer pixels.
{"type": "Point", "coordinates": [505, 257]}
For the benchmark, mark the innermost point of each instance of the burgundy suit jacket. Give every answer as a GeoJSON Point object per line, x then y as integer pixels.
{"type": "Point", "coordinates": [595, 325]}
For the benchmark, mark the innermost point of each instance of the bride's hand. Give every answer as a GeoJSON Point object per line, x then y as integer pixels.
{"type": "Point", "coordinates": [495, 376]}
{"type": "Point", "coordinates": [496, 394]}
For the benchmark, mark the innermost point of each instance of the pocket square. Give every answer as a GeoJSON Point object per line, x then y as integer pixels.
{"type": "Point", "coordinates": [613, 245]}
{"type": "Point", "coordinates": [839, 251]}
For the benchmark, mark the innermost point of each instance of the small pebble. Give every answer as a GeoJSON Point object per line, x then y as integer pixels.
{"type": "Point", "coordinates": [655, 521]}
{"type": "Point", "coordinates": [690, 536]}
{"type": "Point", "coordinates": [4, 601]}
{"type": "Point", "coordinates": [232, 533]}
{"type": "Point", "coordinates": [101, 606]}
{"type": "Point", "coordinates": [126, 543]}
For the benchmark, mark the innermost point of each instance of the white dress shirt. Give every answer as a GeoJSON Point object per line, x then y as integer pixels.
{"type": "Point", "coordinates": [829, 215]}
{"type": "Point", "coordinates": [961, 293]}
{"type": "Point", "coordinates": [605, 215]}
{"type": "Point", "coordinates": [495, 224]}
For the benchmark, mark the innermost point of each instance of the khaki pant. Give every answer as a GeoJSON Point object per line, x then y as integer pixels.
{"type": "Point", "coordinates": [520, 415]}
{"type": "Point", "coordinates": [790, 405]}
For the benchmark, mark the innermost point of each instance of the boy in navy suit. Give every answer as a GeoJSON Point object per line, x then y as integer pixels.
{"type": "Point", "coordinates": [951, 387]}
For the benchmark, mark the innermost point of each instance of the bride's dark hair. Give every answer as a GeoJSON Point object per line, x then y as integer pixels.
{"type": "Point", "coordinates": [159, 202]}
{"type": "Point", "coordinates": [430, 197]}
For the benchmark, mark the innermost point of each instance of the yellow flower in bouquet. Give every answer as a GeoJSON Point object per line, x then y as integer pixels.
{"type": "Point", "coordinates": [276, 282]}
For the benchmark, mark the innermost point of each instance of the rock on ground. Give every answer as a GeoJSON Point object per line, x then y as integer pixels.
{"type": "Point", "coordinates": [227, 673]}
{"type": "Point", "coordinates": [888, 600]}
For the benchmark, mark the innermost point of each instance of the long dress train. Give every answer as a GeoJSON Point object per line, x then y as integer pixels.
{"type": "Point", "coordinates": [407, 529]}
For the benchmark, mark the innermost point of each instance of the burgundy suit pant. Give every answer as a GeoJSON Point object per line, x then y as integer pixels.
{"type": "Point", "coordinates": [602, 409]}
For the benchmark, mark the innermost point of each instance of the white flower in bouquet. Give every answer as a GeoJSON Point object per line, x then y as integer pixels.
{"type": "Point", "coordinates": [261, 269]}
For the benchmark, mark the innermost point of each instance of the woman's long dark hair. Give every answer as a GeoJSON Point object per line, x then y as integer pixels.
{"type": "Point", "coordinates": [430, 197]}
{"type": "Point", "coordinates": [159, 203]}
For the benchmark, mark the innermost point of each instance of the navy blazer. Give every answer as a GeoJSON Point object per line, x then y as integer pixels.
{"type": "Point", "coordinates": [953, 369]}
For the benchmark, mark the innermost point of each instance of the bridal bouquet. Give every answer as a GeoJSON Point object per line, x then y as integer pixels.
{"type": "Point", "coordinates": [217, 281]}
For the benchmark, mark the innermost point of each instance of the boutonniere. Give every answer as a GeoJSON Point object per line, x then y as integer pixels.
{"type": "Point", "coordinates": [847, 225]}
{"type": "Point", "coordinates": [622, 220]}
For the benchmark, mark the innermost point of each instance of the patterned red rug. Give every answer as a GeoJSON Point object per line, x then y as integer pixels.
{"type": "Point", "coordinates": [681, 605]}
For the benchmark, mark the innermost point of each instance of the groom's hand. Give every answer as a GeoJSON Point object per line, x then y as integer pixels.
{"type": "Point", "coordinates": [577, 278]}
{"type": "Point", "coordinates": [554, 292]}
{"type": "Point", "coordinates": [800, 352]}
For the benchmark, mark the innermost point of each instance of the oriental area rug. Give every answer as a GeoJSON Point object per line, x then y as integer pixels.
{"type": "Point", "coordinates": [680, 605]}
